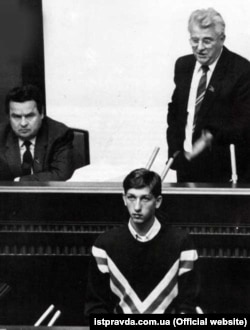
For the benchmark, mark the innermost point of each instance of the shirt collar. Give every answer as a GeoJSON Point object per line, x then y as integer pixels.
{"type": "Point", "coordinates": [33, 142]}
{"type": "Point", "coordinates": [153, 231]}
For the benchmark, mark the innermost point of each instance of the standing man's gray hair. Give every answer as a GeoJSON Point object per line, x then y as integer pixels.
{"type": "Point", "coordinates": [206, 18]}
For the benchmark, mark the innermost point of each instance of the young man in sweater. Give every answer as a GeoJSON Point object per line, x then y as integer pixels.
{"type": "Point", "coordinates": [145, 266]}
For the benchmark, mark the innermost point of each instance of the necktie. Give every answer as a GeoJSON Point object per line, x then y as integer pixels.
{"type": "Point", "coordinates": [200, 92]}
{"type": "Point", "coordinates": [27, 159]}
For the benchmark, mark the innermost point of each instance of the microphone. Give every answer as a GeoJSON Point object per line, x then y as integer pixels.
{"type": "Point", "coordinates": [234, 177]}
{"type": "Point", "coordinates": [168, 165]}
{"type": "Point", "coordinates": [152, 158]}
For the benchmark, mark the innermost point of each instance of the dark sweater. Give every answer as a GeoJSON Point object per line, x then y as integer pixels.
{"type": "Point", "coordinates": [129, 276]}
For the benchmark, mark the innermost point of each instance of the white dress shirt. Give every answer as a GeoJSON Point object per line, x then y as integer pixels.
{"type": "Point", "coordinates": [22, 150]}
{"type": "Point", "coordinates": [188, 147]}
{"type": "Point", "coordinates": [22, 147]}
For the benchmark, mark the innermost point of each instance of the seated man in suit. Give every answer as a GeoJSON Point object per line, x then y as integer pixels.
{"type": "Point", "coordinates": [33, 147]}
{"type": "Point", "coordinates": [145, 266]}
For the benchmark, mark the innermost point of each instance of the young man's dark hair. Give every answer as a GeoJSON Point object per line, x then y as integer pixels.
{"type": "Point", "coordinates": [141, 178]}
{"type": "Point", "coordinates": [25, 93]}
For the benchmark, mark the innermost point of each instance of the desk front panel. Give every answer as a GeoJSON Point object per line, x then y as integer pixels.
{"type": "Point", "coordinates": [46, 233]}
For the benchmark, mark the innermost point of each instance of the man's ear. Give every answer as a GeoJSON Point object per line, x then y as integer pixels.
{"type": "Point", "coordinates": [158, 201]}
{"type": "Point", "coordinates": [42, 113]}
{"type": "Point", "coordinates": [223, 38]}
{"type": "Point", "coordinates": [124, 199]}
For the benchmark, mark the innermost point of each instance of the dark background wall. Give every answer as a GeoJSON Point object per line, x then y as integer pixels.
{"type": "Point", "coordinates": [21, 46]}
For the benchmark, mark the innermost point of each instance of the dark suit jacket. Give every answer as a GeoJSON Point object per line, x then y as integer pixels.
{"type": "Point", "coordinates": [225, 112]}
{"type": "Point", "coordinates": [53, 158]}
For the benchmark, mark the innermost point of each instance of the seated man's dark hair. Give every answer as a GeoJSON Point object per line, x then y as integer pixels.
{"type": "Point", "coordinates": [141, 178]}
{"type": "Point", "coordinates": [23, 94]}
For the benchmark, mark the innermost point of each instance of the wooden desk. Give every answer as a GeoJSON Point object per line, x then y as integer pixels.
{"type": "Point", "coordinates": [53, 218]}
{"type": "Point", "coordinates": [47, 230]}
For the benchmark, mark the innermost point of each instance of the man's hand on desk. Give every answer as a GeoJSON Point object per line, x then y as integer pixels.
{"type": "Point", "coordinates": [200, 145]}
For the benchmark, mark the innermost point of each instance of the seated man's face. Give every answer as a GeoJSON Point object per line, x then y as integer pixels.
{"type": "Point", "coordinates": [25, 119]}
{"type": "Point", "coordinates": [141, 205]}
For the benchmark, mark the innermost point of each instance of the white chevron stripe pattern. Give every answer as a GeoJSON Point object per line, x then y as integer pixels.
{"type": "Point", "coordinates": [101, 259]}
{"type": "Point", "coordinates": [160, 297]}
{"type": "Point", "coordinates": [187, 259]}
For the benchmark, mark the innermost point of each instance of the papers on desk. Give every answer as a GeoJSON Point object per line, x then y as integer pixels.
{"type": "Point", "coordinates": [107, 172]}
{"type": "Point", "coordinates": [99, 172]}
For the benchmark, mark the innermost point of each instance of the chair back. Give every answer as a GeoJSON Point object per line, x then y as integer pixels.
{"type": "Point", "coordinates": [81, 147]}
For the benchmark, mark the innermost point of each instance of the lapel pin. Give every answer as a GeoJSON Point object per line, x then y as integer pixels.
{"type": "Point", "coordinates": [211, 88]}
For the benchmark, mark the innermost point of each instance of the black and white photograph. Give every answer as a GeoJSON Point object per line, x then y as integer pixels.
{"type": "Point", "coordinates": [124, 161]}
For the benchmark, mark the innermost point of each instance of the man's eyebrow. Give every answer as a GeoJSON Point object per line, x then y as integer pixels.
{"type": "Point", "coordinates": [25, 115]}
{"type": "Point", "coordinates": [142, 196]}
{"type": "Point", "coordinates": [147, 195]}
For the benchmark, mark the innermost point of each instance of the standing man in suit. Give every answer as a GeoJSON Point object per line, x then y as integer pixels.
{"type": "Point", "coordinates": [210, 107]}
{"type": "Point", "coordinates": [33, 147]}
